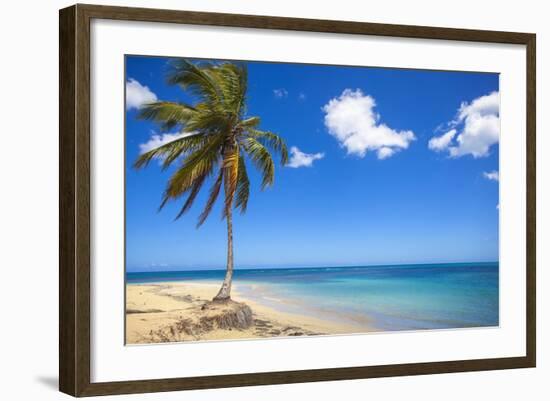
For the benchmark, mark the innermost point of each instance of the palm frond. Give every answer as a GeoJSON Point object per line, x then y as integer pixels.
{"type": "Point", "coordinates": [198, 80]}
{"type": "Point", "coordinates": [208, 118]}
{"type": "Point", "coordinates": [171, 150]}
{"type": "Point", "coordinates": [250, 122]}
{"type": "Point", "coordinates": [198, 141]}
{"type": "Point", "coordinates": [214, 192]}
{"type": "Point", "coordinates": [231, 175]}
{"type": "Point", "coordinates": [274, 141]}
{"type": "Point", "coordinates": [261, 157]}
{"type": "Point", "coordinates": [200, 162]}
{"type": "Point", "coordinates": [243, 187]}
{"type": "Point", "coordinates": [168, 114]}
{"type": "Point", "coordinates": [233, 80]}
{"type": "Point", "coordinates": [195, 189]}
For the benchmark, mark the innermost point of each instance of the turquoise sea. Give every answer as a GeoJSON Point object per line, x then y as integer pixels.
{"type": "Point", "coordinates": [397, 297]}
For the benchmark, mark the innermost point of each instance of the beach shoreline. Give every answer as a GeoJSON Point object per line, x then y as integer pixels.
{"type": "Point", "coordinates": [163, 312]}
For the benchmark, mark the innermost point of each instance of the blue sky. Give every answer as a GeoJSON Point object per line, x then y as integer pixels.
{"type": "Point", "coordinates": [388, 166]}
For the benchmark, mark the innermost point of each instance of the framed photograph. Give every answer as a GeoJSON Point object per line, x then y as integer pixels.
{"type": "Point", "coordinates": [249, 200]}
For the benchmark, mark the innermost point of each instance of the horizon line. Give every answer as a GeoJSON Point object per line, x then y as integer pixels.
{"type": "Point", "coordinates": [158, 269]}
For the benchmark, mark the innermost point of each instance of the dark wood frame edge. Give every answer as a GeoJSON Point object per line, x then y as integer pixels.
{"type": "Point", "coordinates": [74, 199]}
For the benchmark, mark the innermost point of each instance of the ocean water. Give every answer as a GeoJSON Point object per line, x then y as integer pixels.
{"type": "Point", "coordinates": [398, 297]}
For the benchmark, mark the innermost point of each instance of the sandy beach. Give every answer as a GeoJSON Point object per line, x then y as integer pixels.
{"type": "Point", "coordinates": [166, 312]}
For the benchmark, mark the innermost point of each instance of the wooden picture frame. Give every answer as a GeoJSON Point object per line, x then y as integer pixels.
{"type": "Point", "coordinates": [74, 204]}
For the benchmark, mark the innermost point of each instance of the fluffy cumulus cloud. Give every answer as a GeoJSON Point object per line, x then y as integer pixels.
{"type": "Point", "coordinates": [137, 95]}
{"type": "Point", "coordinates": [352, 120]}
{"type": "Point", "coordinates": [157, 140]}
{"type": "Point", "coordinates": [280, 93]}
{"type": "Point", "coordinates": [301, 159]}
{"type": "Point", "coordinates": [439, 143]}
{"type": "Point", "coordinates": [474, 130]}
{"type": "Point", "coordinates": [385, 152]}
{"type": "Point", "coordinates": [491, 175]}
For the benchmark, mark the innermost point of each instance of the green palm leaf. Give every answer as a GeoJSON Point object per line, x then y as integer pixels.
{"type": "Point", "coordinates": [214, 192]}
{"type": "Point", "coordinates": [171, 150]}
{"type": "Point", "coordinates": [198, 80]}
{"type": "Point", "coordinates": [195, 189]}
{"type": "Point", "coordinates": [200, 162]}
{"type": "Point", "coordinates": [243, 187]}
{"type": "Point", "coordinates": [275, 142]}
{"type": "Point", "coordinates": [167, 112]}
{"type": "Point", "coordinates": [261, 157]}
{"type": "Point", "coordinates": [231, 175]}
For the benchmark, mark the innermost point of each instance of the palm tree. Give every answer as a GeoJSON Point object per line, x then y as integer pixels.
{"type": "Point", "coordinates": [217, 135]}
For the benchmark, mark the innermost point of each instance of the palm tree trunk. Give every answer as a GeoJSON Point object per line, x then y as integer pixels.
{"type": "Point", "coordinates": [225, 291]}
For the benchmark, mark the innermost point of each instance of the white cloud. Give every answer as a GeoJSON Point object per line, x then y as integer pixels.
{"type": "Point", "coordinates": [280, 93]}
{"type": "Point", "coordinates": [484, 105]}
{"type": "Point", "coordinates": [351, 119]}
{"type": "Point", "coordinates": [385, 152]}
{"type": "Point", "coordinates": [301, 159]}
{"type": "Point", "coordinates": [302, 96]}
{"type": "Point", "coordinates": [439, 143]}
{"type": "Point", "coordinates": [155, 264]}
{"type": "Point", "coordinates": [137, 95]}
{"type": "Point", "coordinates": [479, 126]}
{"type": "Point", "coordinates": [157, 140]}
{"type": "Point", "coordinates": [492, 175]}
